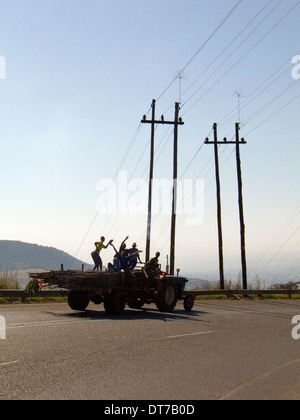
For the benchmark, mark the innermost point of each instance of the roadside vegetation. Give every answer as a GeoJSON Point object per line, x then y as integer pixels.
{"type": "Point", "coordinates": [9, 281]}
{"type": "Point", "coordinates": [257, 285]}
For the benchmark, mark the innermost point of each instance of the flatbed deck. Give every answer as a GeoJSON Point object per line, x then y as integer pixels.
{"type": "Point", "coordinates": [92, 281]}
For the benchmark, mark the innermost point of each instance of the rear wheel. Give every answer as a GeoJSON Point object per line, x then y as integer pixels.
{"type": "Point", "coordinates": [78, 301]}
{"type": "Point", "coordinates": [115, 303]}
{"type": "Point", "coordinates": [166, 299]}
{"type": "Point", "coordinates": [188, 303]}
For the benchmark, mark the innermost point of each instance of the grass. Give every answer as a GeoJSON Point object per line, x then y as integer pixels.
{"type": "Point", "coordinates": [9, 281]}
{"type": "Point", "coordinates": [256, 286]}
{"type": "Point", "coordinates": [33, 300]}
{"type": "Point", "coordinates": [46, 300]}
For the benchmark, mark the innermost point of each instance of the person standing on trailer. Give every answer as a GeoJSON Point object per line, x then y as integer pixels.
{"type": "Point", "coordinates": [96, 254]}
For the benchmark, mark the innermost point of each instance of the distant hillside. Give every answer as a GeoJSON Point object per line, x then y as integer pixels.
{"type": "Point", "coordinates": [16, 255]}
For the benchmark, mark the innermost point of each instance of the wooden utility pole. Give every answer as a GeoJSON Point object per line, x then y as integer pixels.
{"type": "Point", "coordinates": [241, 206]}
{"type": "Point", "coordinates": [175, 181]}
{"type": "Point", "coordinates": [148, 244]}
{"type": "Point", "coordinates": [237, 143]}
{"type": "Point", "coordinates": [153, 123]}
{"type": "Point", "coordinates": [219, 206]}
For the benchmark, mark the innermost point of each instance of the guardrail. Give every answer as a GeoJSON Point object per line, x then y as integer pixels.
{"type": "Point", "coordinates": [230, 293]}
{"type": "Point", "coordinates": [21, 294]}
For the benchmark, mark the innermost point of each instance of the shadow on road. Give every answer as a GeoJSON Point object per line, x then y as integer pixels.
{"type": "Point", "coordinates": [132, 314]}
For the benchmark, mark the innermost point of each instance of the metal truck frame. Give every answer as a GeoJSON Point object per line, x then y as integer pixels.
{"type": "Point", "coordinates": [118, 289]}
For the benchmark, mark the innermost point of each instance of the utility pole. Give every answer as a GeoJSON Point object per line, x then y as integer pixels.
{"type": "Point", "coordinates": [237, 143]}
{"type": "Point", "coordinates": [241, 207]}
{"type": "Point", "coordinates": [153, 123]}
{"type": "Point", "coordinates": [219, 206]}
{"type": "Point", "coordinates": [175, 185]}
{"type": "Point", "coordinates": [148, 244]}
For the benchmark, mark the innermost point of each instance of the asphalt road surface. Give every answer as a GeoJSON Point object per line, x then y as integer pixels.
{"type": "Point", "coordinates": [222, 350]}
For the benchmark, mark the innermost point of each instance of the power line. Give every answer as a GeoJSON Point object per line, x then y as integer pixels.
{"type": "Point", "coordinates": [283, 245]}
{"type": "Point", "coordinates": [240, 59]}
{"type": "Point", "coordinates": [227, 47]}
{"type": "Point", "coordinates": [141, 177]}
{"type": "Point", "coordinates": [228, 116]}
{"type": "Point", "coordinates": [285, 258]}
{"type": "Point", "coordinates": [234, 51]}
{"type": "Point", "coordinates": [200, 49]}
{"type": "Point", "coordinates": [275, 238]}
{"type": "Point", "coordinates": [204, 173]}
{"type": "Point", "coordinates": [204, 168]}
{"type": "Point", "coordinates": [269, 103]}
{"type": "Point", "coordinates": [274, 114]}
{"type": "Point", "coordinates": [125, 156]}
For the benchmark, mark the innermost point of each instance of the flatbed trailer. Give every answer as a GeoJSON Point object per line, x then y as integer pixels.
{"type": "Point", "coordinates": [118, 289]}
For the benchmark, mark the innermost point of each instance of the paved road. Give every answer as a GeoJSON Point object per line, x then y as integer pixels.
{"type": "Point", "coordinates": [223, 350]}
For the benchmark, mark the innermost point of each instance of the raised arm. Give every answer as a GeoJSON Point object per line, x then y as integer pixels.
{"type": "Point", "coordinates": [113, 247]}
{"type": "Point", "coordinates": [109, 243]}
{"type": "Point", "coordinates": [126, 239]}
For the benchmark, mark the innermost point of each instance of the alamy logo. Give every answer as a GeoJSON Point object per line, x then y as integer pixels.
{"type": "Point", "coordinates": [2, 67]}
{"type": "Point", "coordinates": [125, 196]}
{"type": "Point", "coordinates": [296, 329]}
{"type": "Point", "coordinates": [2, 328]}
{"type": "Point", "coordinates": [296, 69]}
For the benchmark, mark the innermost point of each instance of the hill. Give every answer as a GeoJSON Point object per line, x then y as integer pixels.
{"type": "Point", "coordinates": [15, 256]}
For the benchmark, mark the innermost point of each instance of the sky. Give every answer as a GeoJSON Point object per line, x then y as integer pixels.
{"type": "Point", "coordinates": [76, 78]}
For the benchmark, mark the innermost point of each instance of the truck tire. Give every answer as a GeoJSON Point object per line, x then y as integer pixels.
{"type": "Point", "coordinates": [115, 303]}
{"type": "Point", "coordinates": [188, 303]}
{"type": "Point", "coordinates": [78, 301]}
{"type": "Point", "coordinates": [97, 299]}
{"type": "Point", "coordinates": [135, 304]}
{"type": "Point", "coordinates": [166, 299]}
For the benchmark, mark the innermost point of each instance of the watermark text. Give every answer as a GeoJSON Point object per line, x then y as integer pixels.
{"type": "Point", "coordinates": [2, 328]}
{"type": "Point", "coordinates": [296, 68]}
{"type": "Point", "coordinates": [296, 329]}
{"type": "Point", "coordinates": [2, 68]}
{"type": "Point", "coordinates": [130, 197]}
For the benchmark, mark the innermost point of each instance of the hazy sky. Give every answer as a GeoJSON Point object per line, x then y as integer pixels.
{"type": "Point", "coordinates": [77, 76]}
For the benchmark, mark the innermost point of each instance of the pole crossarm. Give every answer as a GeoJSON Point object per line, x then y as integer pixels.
{"type": "Point", "coordinates": [207, 141]}
{"type": "Point", "coordinates": [162, 122]}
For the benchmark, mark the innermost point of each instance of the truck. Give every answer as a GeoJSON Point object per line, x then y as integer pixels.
{"type": "Point", "coordinates": [118, 289]}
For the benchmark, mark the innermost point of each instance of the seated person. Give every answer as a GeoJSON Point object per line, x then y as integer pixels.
{"type": "Point", "coordinates": [151, 269]}
{"type": "Point", "coordinates": [133, 257]}
{"type": "Point", "coordinates": [119, 260]}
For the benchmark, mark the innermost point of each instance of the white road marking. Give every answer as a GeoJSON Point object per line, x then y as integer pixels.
{"type": "Point", "coordinates": [9, 363]}
{"type": "Point", "coordinates": [189, 335]}
{"type": "Point", "coordinates": [258, 379]}
{"type": "Point", "coordinates": [47, 324]}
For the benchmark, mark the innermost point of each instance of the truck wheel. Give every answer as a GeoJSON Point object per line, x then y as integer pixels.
{"type": "Point", "coordinates": [188, 303]}
{"type": "Point", "coordinates": [78, 301]}
{"type": "Point", "coordinates": [135, 304]}
{"type": "Point", "coordinates": [115, 303]}
{"type": "Point", "coordinates": [166, 299]}
{"type": "Point", "coordinates": [97, 299]}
